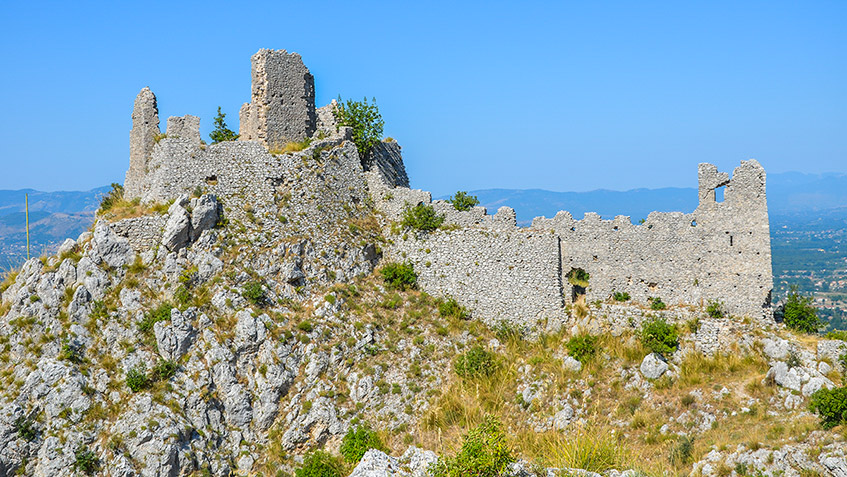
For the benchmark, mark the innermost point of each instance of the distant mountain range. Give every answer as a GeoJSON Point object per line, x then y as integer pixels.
{"type": "Point", "coordinates": [793, 197]}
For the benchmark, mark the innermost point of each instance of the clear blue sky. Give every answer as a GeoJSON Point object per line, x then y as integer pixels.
{"type": "Point", "coordinates": [554, 95]}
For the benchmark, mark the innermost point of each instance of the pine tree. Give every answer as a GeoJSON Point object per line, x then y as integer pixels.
{"type": "Point", "coordinates": [221, 132]}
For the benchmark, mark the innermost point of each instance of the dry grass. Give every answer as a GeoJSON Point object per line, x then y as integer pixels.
{"type": "Point", "coordinates": [127, 209]}
{"type": "Point", "coordinates": [290, 147]}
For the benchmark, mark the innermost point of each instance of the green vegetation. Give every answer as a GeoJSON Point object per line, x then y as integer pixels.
{"type": "Point", "coordinates": [164, 370]}
{"type": "Point", "coordinates": [621, 296]}
{"type": "Point", "coordinates": [71, 353]}
{"type": "Point", "coordinates": [160, 313]}
{"type": "Point", "coordinates": [681, 453]}
{"type": "Point", "coordinates": [656, 303]}
{"type": "Point", "coordinates": [715, 309]}
{"type": "Point", "coordinates": [136, 378]}
{"type": "Point", "coordinates": [837, 335]}
{"type": "Point", "coordinates": [365, 120]}
{"type": "Point", "coordinates": [25, 428]}
{"type": "Point", "coordinates": [86, 461]}
{"type": "Point", "coordinates": [222, 132]}
{"type": "Point", "coordinates": [578, 277]}
{"type": "Point", "coordinates": [451, 308]}
{"type": "Point", "coordinates": [358, 441]}
{"type": "Point", "coordinates": [582, 347]}
{"type": "Point", "coordinates": [659, 336]}
{"type": "Point", "coordinates": [421, 217]}
{"type": "Point", "coordinates": [830, 405]}
{"type": "Point", "coordinates": [462, 201]}
{"type": "Point", "coordinates": [399, 276]}
{"type": "Point", "coordinates": [799, 314]}
{"type": "Point", "coordinates": [484, 453]}
{"type": "Point", "coordinates": [320, 464]}
{"type": "Point", "coordinates": [476, 363]}
{"type": "Point", "coordinates": [254, 292]}
{"type": "Point", "coordinates": [112, 198]}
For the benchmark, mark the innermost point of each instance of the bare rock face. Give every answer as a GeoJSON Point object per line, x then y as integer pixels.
{"type": "Point", "coordinates": [653, 366]}
{"type": "Point", "coordinates": [413, 463]}
{"type": "Point", "coordinates": [178, 228]}
{"type": "Point", "coordinates": [111, 249]}
{"type": "Point", "coordinates": [175, 337]}
{"type": "Point", "coordinates": [205, 212]}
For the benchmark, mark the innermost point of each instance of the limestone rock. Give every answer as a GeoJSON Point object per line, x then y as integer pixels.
{"type": "Point", "coordinates": [175, 337]}
{"type": "Point", "coordinates": [653, 366]}
{"type": "Point", "coordinates": [177, 229]}
{"type": "Point", "coordinates": [563, 418]}
{"type": "Point", "coordinates": [816, 384]}
{"type": "Point", "coordinates": [109, 248]}
{"type": "Point", "coordinates": [204, 214]}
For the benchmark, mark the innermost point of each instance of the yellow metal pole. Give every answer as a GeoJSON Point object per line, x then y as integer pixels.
{"type": "Point", "coordinates": [26, 201]}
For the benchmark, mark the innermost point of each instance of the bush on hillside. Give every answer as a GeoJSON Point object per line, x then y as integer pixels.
{"type": "Point", "coordinates": [160, 313]}
{"type": "Point", "coordinates": [136, 378]}
{"type": "Point", "coordinates": [621, 296]}
{"type": "Point", "coordinates": [254, 292]}
{"type": "Point", "coordinates": [484, 453]}
{"type": "Point", "coordinates": [578, 277]}
{"type": "Point", "coordinates": [715, 309]}
{"type": "Point", "coordinates": [475, 363]}
{"type": "Point", "coordinates": [830, 405]}
{"type": "Point", "coordinates": [320, 464]}
{"type": "Point", "coordinates": [452, 308]}
{"type": "Point", "coordinates": [659, 336]}
{"type": "Point", "coordinates": [421, 217]}
{"type": "Point", "coordinates": [656, 303]}
{"type": "Point", "coordinates": [112, 198]}
{"type": "Point", "coordinates": [86, 461]}
{"type": "Point", "coordinates": [799, 314]}
{"type": "Point", "coordinates": [463, 201]}
{"type": "Point", "coordinates": [582, 347]}
{"type": "Point", "coordinates": [358, 441]}
{"type": "Point", "coordinates": [365, 120]}
{"type": "Point", "coordinates": [399, 276]}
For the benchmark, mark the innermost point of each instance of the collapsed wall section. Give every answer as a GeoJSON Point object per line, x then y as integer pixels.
{"type": "Point", "coordinates": [142, 138]}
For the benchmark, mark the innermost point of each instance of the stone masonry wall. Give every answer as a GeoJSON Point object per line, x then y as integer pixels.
{"type": "Point", "coordinates": [282, 107]}
{"type": "Point", "coordinates": [145, 128]}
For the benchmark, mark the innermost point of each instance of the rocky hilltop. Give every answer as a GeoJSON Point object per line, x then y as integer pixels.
{"type": "Point", "coordinates": [263, 305]}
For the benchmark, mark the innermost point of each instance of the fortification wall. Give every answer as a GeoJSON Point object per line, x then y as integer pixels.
{"type": "Point", "coordinates": [143, 233]}
{"type": "Point", "coordinates": [282, 106]}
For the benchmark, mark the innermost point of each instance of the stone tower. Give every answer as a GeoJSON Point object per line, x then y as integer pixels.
{"type": "Point", "coordinates": [282, 107]}
{"type": "Point", "coordinates": [142, 138]}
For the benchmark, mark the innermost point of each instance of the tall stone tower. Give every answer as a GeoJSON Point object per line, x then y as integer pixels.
{"type": "Point", "coordinates": [142, 138]}
{"type": "Point", "coordinates": [282, 107]}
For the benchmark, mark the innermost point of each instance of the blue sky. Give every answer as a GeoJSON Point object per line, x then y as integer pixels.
{"type": "Point", "coordinates": [565, 96]}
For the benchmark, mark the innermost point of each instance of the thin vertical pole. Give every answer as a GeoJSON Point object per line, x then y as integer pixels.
{"type": "Point", "coordinates": [26, 201]}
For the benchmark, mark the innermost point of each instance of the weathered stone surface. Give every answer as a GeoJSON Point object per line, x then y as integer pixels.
{"type": "Point", "coordinates": [145, 129]}
{"type": "Point", "coordinates": [653, 366]}
{"type": "Point", "coordinates": [111, 249]}
{"type": "Point", "coordinates": [205, 212]}
{"type": "Point", "coordinates": [184, 127]}
{"type": "Point", "coordinates": [173, 338]}
{"type": "Point", "coordinates": [178, 227]}
{"type": "Point", "coordinates": [282, 107]}
{"type": "Point", "coordinates": [387, 161]}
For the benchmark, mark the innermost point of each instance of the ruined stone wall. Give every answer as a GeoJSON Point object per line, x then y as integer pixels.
{"type": "Point", "coordinates": [143, 233]}
{"type": "Point", "coordinates": [720, 252]}
{"type": "Point", "coordinates": [282, 106]}
{"type": "Point", "coordinates": [145, 129]}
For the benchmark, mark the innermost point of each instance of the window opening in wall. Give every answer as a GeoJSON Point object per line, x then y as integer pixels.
{"type": "Point", "coordinates": [730, 240]}
{"type": "Point", "coordinates": [719, 193]}
{"type": "Point", "coordinates": [578, 278]}
{"type": "Point", "coordinates": [212, 180]}
{"type": "Point", "coordinates": [694, 223]}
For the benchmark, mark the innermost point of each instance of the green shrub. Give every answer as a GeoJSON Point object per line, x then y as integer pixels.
{"type": "Point", "coordinates": [160, 313]}
{"type": "Point", "coordinates": [86, 461]}
{"type": "Point", "coordinates": [25, 428]}
{"type": "Point", "coordinates": [830, 405]}
{"type": "Point", "coordinates": [254, 292]}
{"type": "Point", "coordinates": [305, 326]}
{"type": "Point", "coordinates": [799, 314]}
{"type": "Point", "coordinates": [656, 303]}
{"type": "Point", "coordinates": [837, 335]}
{"type": "Point", "coordinates": [452, 308]}
{"type": "Point", "coordinates": [112, 198]}
{"type": "Point", "coordinates": [715, 309]}
{"type": "Point", "coordinates": [621, 296]}
{"type": "Point", "coordinates": [399, 276]}
{"type": "Point", "coordinates": [365, 120]}
{"type": "Point", "coordinates": [358, 441]}
{"type": "Point", "coordinates": [484, 453]}
{"type": "Point", "coordinates": [681, 453]}
{"type": "Point", "coordinates": [505, 330]}
{"type": "Point", "coordinates": [578, 277]}
{"type": "Point", "coordinates": [582, 347]}
{"type": "Point", "coordinates": [422, 217]}
{"type": "Point", "coordinates": [136, 378]}
{"type": "Point", "coordinates": [476, 362]}
{"type": "Point", "coordinates": [320, 464]}
{"type": "Point", "coordinates": [222, 132]}
{"type": "Point", "coordinates": [164, 369]}
{"type": "Point", "coordinates": [462, 201]}
{"type": "Point", "coordinates": [659, 336]}
{"type": "Point", "coordinates": [70, 352]}
{"type": "Point", "coordinates": [843, 360]}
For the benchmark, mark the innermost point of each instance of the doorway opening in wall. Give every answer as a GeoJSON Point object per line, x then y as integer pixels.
{"type": "Point", "coordinates": [578, 278]}
{"type": "Point", "coordinates": [719, 193]}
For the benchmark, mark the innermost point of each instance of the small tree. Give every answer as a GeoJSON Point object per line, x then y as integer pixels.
{"type": "Point", "coordinates": [358, 441]}
{"type": "Point", "coordinates": [365, 120]}
{"type": "Point", "coordinates": [422, 217]}
{"type": "Point", "coordinates": [463, 201]}
{"type": "Point", "coordinates": [659, 336]}
{"type": "Point", "coordinates": [222, 132]}
{"type": "Point", "coordinates": [484, 453]}
{"type": "Point", "coordinates": [799, 313]}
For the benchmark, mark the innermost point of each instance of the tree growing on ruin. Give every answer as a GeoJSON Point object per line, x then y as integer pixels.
{"type": "Point", "coordinates": [800, 314]}
{"type": "Point", "coordinates": [222, 132]}
{"type": "Point", "coordinates": [365, 120]}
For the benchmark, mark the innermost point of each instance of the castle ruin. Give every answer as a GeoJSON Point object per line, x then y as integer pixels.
{"type": "Point", "coordinates": [718, 253]}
